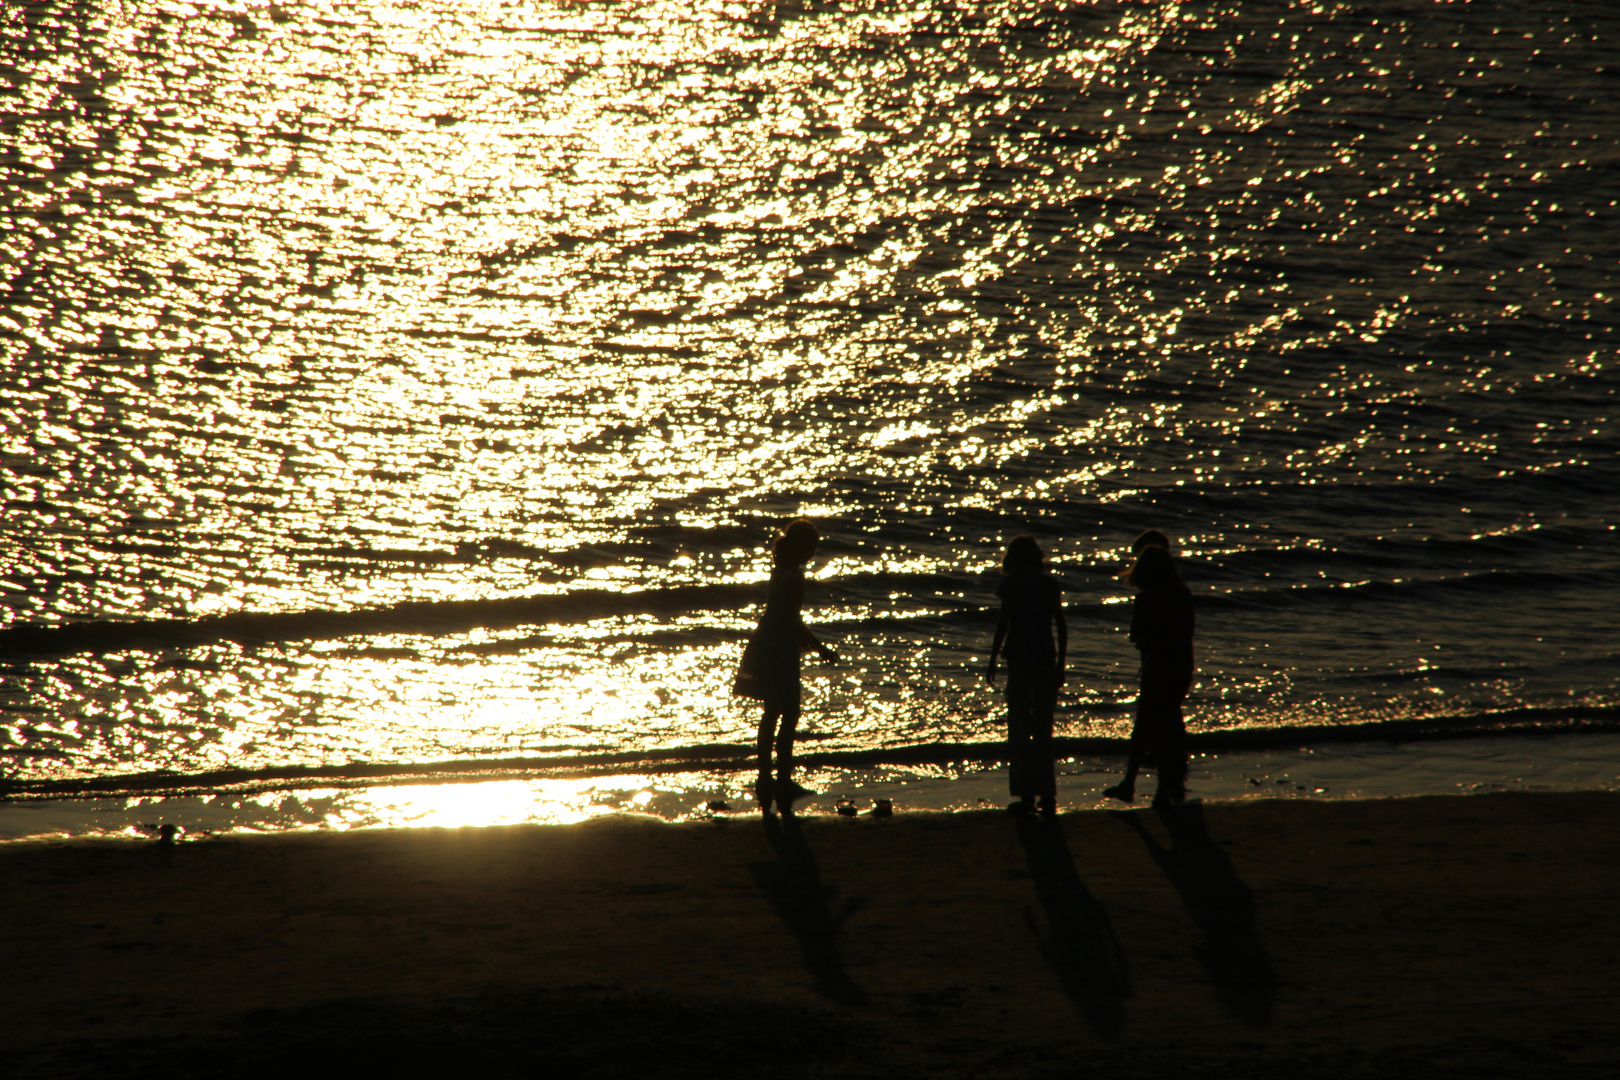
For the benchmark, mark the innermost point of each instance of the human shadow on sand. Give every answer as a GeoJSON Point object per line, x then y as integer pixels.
{"type": "Point", "coordinates": [793, 885]}
{"type": "Point", "coordinates": [1220, 904]}
{"type": "Point", "coordinates": [1080, 945]}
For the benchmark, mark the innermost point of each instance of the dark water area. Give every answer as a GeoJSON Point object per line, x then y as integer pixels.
{"type": "Point", "coordinates": [386, 386]}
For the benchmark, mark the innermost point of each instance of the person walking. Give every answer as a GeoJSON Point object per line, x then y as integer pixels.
{"type": "Point", "coordinates": [1162, 630]}
{"type": "Point", "coordinates": [769, 672]}
{"type": "Point", "coordinates": [1031, 607]}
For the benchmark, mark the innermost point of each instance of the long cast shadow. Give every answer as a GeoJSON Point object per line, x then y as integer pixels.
{"type": "Point", "coordinates": [793, 885]}
{"type": "Point", "coordinates": [1220, 904]}
{"type": "Point", "coordinates": [1081, 945]}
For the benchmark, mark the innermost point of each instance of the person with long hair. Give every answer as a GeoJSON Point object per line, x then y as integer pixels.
{"type": "Point", "coordinates": [1162, 631]}
{"type": "Point", "coordinates": [1031, 608]}
{"type": "Point", "coordinates": [769, 672]}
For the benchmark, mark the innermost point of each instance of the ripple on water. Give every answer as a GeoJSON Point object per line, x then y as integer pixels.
{"type": "Point", "coordinates": [344, 308]}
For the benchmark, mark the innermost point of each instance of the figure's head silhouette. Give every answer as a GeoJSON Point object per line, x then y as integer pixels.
{"type": "Point", "coordinates": [795, 544]}
{"type": "Point", "coordinates": [1023, 556]}
{"type": "Point", "coordinates": [1151, 538]}
{"type": "Point", "coordinates": [1154, 569]}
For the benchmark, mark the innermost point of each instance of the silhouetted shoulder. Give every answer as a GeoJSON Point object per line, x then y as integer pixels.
{"type": "Point", "coordinates": [1162, 618]}
{"type": "Point", "coordinates": [1032, 590]}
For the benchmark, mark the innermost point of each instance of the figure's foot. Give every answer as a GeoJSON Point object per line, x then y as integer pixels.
{"type": "Point", "coordinates": [1123, 792]}
{"type": "Point", "coordinates": [762, 792]}
{"type": "Point", "coordinates": [1163, 800]}
{"type": "Point", "coordinates": [1021, 807]}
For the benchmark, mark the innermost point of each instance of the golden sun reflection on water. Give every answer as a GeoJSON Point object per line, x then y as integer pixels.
{"type": "Point", "coordinates": [451, 806]}
{"type": "Point", "coordinates": [479, 803]}
{"type": "Point", "coordinates": [337, 306]}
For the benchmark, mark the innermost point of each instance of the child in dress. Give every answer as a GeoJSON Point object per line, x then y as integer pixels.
{"type": "Point", "coordinates": [770, 665]}
{"type": "Point", "coordinates": [1031, 606]}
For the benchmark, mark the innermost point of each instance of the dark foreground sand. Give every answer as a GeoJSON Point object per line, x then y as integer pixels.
{"type": "Point", "coordinates": [1433, 937]}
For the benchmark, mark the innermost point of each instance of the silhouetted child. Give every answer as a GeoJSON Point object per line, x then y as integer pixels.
{"type": "Point", "coordinates": [770, 664]}
{"type": "Point", "coordinates": [1031, 605]}
{"type": "Point", "coordinates": [1162, 631]}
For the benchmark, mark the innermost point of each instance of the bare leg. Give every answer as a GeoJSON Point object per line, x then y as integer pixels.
{"type": "Point", "coordinates": [785, 790]}
{"type": "Point", "coordinates": [1020, 724]}
{"type": "Point", "coordinates": [767, 735]}
{"type": "Point", "coordinates": [1171, 758]}
{"type": "Point", "coordinates": [1042, 763]}
{"type": "Point", "coordinates": [784, 745]}
{"type": "Point", "coordinates": [1125, 790]}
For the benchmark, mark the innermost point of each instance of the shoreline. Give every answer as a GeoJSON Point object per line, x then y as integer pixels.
{"type": "Point", "coordinates": [1438, 936]}
{"type": "Point", "coordinates": [1514, 723]}
{"type": "Point", "coordinates": [1335, 772]}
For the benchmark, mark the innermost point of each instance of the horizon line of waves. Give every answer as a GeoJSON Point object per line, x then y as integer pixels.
{"type": "Point", "coordinates": [1385, 552]}
{"type": "Point", "coordinates": [1268, 499]}
{"type": "Point", "coordinates": [413, 617]}
{"type": "Point", "coordinates": [429, 617]}
{"type": "Point", "coordinates": [738, 757]}
{"type": "Point", "coordinates": [944, 593]}
{"type": "Point", "coordinates": [1434, 672]}
{"type": "Point", "coordinates": [1401, 590]}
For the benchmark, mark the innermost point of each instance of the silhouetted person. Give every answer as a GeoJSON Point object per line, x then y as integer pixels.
{"type": "Point", "coordinates": [1031, 605]}
{"type": "Point", "coordinates": [1162, 630]}
{"type": "Point", "coordinates": [1127, 790]}
{"type": "Point", "coordinates": [770, 664]}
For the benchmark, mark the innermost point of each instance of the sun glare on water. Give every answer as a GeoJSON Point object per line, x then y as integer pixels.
{"type": "Point", "coordinates": [427, 311]}
{"type": "Point", "coordinates": [450, 806]}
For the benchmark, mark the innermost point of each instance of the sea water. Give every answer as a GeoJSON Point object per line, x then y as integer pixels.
{"type": "Point", "coordinates": [413, 390]}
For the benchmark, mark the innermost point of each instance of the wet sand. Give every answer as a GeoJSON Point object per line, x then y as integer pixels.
{"type": "Point", "coordinates": [1461, 936]}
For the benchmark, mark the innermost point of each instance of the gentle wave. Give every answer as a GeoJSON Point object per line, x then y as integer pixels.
{"type": "Point", "coordinates": [449, 617]}
{"type": "Point", "coordinates": [411, 617]}
{"type": "Point", "coordinates": [735, 757]}
{"type": "Point", "coordinates": [492, 376]}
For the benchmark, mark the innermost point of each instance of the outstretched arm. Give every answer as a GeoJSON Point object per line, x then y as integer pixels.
{"type": "Point", "coordinates": [995, 647]}
{"type": "Point", "coordinates": [810, 641]}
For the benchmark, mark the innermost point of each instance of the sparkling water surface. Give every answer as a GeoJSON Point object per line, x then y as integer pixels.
{"type": "Point", "coordinates": [484, 345]}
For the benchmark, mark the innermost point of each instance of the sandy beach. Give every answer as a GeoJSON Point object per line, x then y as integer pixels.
{"type": "Point", "coordinates": [1462, 936]}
